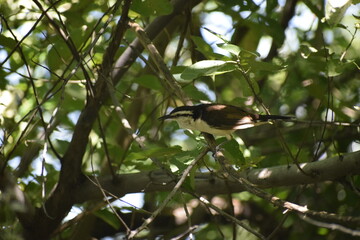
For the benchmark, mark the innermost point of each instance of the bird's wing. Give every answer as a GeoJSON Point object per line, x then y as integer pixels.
{"type": "Point", "coordinates": [226, 117]}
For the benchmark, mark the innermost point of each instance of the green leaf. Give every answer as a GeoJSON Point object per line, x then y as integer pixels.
{"type": "Point", "coordinates": [247, 90]}
{"type": "Point", "coordinates": [208, 68]}
{"type": "Point", "coordinates": [179, 164]}
{"type": "Point", "coordinates": [7, 42]}
{"type": "Point", "coordinates": [203, 47]}
{"type": "Point", "coordinates": [248, 54]}
{"type": "Point", "coordinates": [272, 27]}
{"type": "Point", "coordinates": [149, 81]}
{"type": "Point", "coordinates": [189, 183]}
{"type": "Point", "coordinates": [148, 8]}
{"type": "Point", "coordinates": [236, 50]}
{"type": "Point", "coordinates": [264, 66]}
{"type": "Point", "coordinates": [233, 152]}
{"type": "Point", "coordinates": [58, 53]}
{"type": "Point", "coordinates": [108, 217]}
{"type": "Point", "coordinates": [195, 93]}
{"type": "Point", "coordinates": [336, 67]}
{"type": "Point", "coordinates": [306, 50]}
{"type": "Point", "coordinates": [334, 11]}
{"type": "Point", "coordinates": [154, 152]}
{"type": "Point", "coordinates": [231, 48]}
{"type": "Point", "coordinates": [3, 83]}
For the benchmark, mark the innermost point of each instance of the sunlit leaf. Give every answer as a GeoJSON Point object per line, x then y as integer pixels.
{"type": "Point", "coordinates": [203, 47]}
{"type": "Point", "coordinates": [207, 68]}
{"type": "Point", "coordinates": [236, 50]}
{"type": "Point", "coordinates": [335, 10]}
{"type": "Point", "coordinates": [231, 48]}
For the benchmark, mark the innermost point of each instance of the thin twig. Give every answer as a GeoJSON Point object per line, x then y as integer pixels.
{"type": "Point", "coordinates": [106, 199]}
{"type": "Point", "coordinates": [170, 196]}
{"type": "Point", "coordinates": [260, 101]}
{"type": "Point", "coordinates": [332, 226]}
{"type": "Point", "coordinates": [106, 149]}
{"type": "Point", "coordinates": [229, 171]}
{"type": "Point", "coordinates": [232, 218]}
{"type": "Point", "coordinates": [182, 37]}
{"type": "Point", "coordinates": [18, 43]}
{"type": "Point", "coordinates": [188, 217]}
{"type": "Point", "coordinates": [156, 57]}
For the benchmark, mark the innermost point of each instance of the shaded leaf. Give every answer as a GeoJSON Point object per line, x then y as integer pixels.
{"type": "Point", "coordinates": [149, 81]}
{"type": "Point", "coordinates": [195, 93]}
{"type": "Point", "coordinates": [247, 90]}
{"type": "Point", "coordinates": [7, 42]}
{"type": "Point", "coordinates": [265, 66]}
{"type": "Point", "coordinates": [108, 217]}
{"type": "Point", "coordinates": [233, 152]}
{"type": "Point", "coordinates": [153, 152]}
{"type": "Point", "coordinates": [152, 7]}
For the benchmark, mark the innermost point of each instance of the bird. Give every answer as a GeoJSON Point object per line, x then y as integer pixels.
{"type": "Point", "coordinates": [217, 119]}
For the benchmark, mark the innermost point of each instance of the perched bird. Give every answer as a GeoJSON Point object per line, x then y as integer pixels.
{"type": "Point", "coordinates": [217, 119]}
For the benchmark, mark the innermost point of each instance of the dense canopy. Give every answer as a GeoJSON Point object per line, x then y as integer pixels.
{"type": "Point", "coordinates": [84, 156]}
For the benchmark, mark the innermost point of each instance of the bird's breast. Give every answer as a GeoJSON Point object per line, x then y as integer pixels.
{"type": "Point", "coordinates": [202, 126]}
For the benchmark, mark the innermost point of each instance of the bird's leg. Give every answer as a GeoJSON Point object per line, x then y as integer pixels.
{"type": "Point", "coordinates": [210, 140]}
{"type": "Point", "coordinates": [228, 139]}
{"type": "Point", "coordinates": [215, 148]}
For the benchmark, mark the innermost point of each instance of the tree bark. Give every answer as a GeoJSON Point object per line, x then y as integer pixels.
{"type": "Point", "coordinates": [208, 184]}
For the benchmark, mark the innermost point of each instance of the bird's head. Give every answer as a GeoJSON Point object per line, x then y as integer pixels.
{"type": "Point", "coordinates": [181, 113]}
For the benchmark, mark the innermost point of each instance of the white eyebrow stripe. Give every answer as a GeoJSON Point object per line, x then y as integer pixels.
{"type": "Point", "coordinates": [182, 113]}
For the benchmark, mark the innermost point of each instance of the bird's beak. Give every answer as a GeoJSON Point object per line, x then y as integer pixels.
{"type": "Point", "coordinates": [164, 117]}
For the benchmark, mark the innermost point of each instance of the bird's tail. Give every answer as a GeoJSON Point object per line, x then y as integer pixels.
{"type": "Point", "coordinates": [274, 117]}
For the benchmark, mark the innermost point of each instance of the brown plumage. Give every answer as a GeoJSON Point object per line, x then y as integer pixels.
{"type": "Point", "coordinates": [217, 119]}
{"type": "Point", "coordinates": [232, 117]}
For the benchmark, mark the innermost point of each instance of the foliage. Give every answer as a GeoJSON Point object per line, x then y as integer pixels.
{"type": "Point", "coordinates": [80, 100]}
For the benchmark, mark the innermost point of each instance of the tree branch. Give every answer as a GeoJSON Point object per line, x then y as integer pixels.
{"type": "Point", "coordinates": [158, 60]}
{"type": "Point", "coordinates": [60, 202]}
{"type": "Point", "coordinates": [207, 183]}
{"type": "Point", "coordinates": [152, 30]}
{"type": "Point", "coordinates": [288, 13]}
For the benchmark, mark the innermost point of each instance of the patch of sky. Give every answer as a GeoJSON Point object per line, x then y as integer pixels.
{"type": "Point", "coordinates": [354, 146]}
{"type": "Point", "coordinates": [220, 24]}
{"type": "Point", "coordinates": [131, 200]}
{"type": "Point", "coordinates": [74, 116]}
{"type": "Point", "coordinates": [13, 78]}
{"type": "Point", "coordinates": [205, 89]}
{"type": "Point", "coordinates": [14, 162]}
{"type": "Point", "coordinates": [3, 56]}
{"type": "Point", "coordinates": [62, 134]}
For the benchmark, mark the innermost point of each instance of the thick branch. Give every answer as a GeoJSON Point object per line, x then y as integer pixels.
{"type": "Point", "coordinates": [328, 169]}
{"type": "Point", "coordinates": [288, 13]}
{"type": "Point", "coordinates": [17, 199]}
{"type": "Point", "coordinates": [206, 183]}
{"type": "Point", "coordinates": [60, 202]}
{"type": "Point", "coordinates": [152, 30]}
{"type": "Point", "coordinates": [158, 60]}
